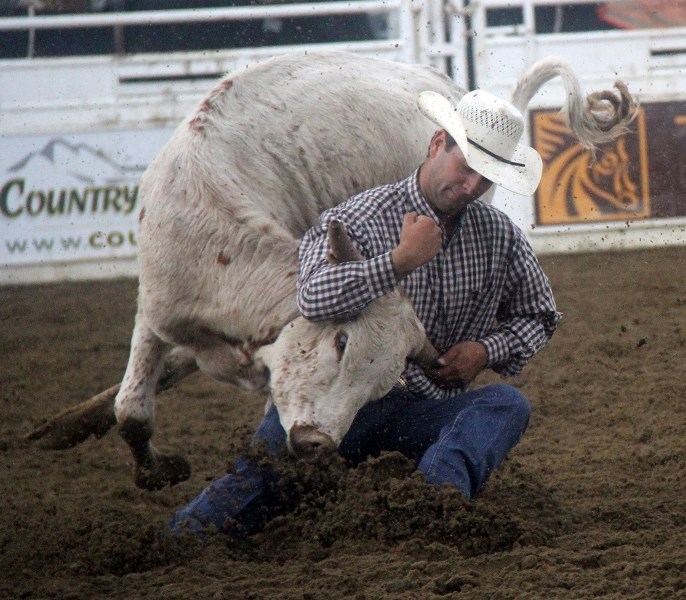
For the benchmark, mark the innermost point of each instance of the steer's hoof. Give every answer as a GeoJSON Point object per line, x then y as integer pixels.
{"type": "Point", "coordinates": [169, 469]}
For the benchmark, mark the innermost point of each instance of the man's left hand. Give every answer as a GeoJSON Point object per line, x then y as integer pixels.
{"type": "Point", "coordinates": [460, 365]}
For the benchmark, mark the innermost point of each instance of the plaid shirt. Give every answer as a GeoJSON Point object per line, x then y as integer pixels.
{"type": "Point", "coordinates": [486, 284]}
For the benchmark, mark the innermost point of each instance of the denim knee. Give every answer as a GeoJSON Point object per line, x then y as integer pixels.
{"type": "Point", "coordinates": [518, 403]}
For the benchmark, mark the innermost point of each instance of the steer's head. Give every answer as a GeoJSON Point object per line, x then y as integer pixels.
{"type": "Point", "coordinates": [322, 373]}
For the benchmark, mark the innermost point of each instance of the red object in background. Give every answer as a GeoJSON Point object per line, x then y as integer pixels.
{"type": "Point", "coordinates": [643, 14]}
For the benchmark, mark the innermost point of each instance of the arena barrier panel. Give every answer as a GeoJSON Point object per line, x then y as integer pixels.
{"type": "Point", "coordinates": [78, 130]}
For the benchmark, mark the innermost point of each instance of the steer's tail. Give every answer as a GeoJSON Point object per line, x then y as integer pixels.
{"type": "Point", "coordinates": [598, 118]}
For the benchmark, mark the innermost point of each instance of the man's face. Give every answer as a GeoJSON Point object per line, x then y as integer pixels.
{"type": "Point", "coordinates": [447, 181]}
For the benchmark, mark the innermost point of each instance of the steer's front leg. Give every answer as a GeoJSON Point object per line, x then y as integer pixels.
{"type": "Point", "coordinates": [134, 408]}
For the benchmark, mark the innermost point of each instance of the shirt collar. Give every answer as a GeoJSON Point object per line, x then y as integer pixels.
{"type": "Point", "coordinates": [417, 202]}
{"type": "Point", "coordinates": [415, 199]}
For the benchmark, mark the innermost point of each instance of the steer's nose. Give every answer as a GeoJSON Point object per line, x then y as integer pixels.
{"type": "Point", "coordinates": [307, 440]}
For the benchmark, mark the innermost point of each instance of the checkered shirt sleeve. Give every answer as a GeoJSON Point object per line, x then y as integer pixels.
{"type": "Point", "coordinates": [328, 291]}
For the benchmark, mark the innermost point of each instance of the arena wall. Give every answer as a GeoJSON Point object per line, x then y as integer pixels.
{"type": "Point", "coordinates": [78, 130]}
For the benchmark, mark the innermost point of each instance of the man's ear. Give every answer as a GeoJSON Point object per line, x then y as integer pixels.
{"type": "Point", "coordinates": [437, 142]}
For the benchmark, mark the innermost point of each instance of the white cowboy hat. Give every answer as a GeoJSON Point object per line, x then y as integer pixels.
{"type": "Point", "coordinates": [487, 131]}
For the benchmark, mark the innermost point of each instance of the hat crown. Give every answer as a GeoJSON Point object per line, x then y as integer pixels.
{"type": "Point", "coordinates": [488, 132]}
{"type": "Point", "coordinates": [495, 125]}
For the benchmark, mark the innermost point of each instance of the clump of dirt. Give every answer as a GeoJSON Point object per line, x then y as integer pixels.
{"type": "Point", "coordinates": [323, 506]}
{"type": "Point", "coordinates": [383, 502]}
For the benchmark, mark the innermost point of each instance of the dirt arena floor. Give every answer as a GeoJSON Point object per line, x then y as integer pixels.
{"type": "Point", "coordinates": [591, 504]}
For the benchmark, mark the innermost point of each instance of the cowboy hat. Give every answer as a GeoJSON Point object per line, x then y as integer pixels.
{"type": "Point", "coordinates": [487, 131]}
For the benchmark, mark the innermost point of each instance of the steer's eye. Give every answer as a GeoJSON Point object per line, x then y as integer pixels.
{"type": "Point", "coordinates": [340, 342]}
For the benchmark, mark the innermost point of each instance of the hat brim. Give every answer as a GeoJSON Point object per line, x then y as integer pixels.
{"type": "Point", "coordinates": [518, 179]}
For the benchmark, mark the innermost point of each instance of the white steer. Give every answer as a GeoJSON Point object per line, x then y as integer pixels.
{"type": "Point", "coordinates": [224, 205]}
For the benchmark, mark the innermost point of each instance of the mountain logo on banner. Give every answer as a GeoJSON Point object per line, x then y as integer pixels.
{"type": "Point", "coordinates": [87, 165]}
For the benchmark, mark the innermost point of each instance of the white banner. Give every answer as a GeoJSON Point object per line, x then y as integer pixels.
{"type": "Point", "coordinates": [72, 197]}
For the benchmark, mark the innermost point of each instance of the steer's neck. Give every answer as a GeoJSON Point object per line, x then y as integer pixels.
{"type": "Point", "coordinates": [266, 299]}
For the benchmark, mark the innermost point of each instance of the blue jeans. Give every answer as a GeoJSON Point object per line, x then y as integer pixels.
{"type": "Point", "coordinates": [457, 441]}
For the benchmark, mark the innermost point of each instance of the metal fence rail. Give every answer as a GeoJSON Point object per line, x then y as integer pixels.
{"type": "Point", "coordinates": [200, 15]}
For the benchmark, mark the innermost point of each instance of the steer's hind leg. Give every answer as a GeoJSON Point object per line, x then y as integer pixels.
{"type": "Point", "coordinates": [95, 416]}
{"type": "Point", "coordinates": [134, 408]}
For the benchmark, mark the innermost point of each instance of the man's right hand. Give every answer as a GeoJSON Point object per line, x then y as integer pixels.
{"type": "Point", "coordinates": [420, 241]}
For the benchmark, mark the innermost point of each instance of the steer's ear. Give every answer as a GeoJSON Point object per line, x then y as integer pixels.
{"type": "Point", "coordinates": [341, 247]}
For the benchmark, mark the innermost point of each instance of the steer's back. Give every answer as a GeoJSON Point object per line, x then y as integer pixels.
{"type": "Point", "coordinates": [253, 166]}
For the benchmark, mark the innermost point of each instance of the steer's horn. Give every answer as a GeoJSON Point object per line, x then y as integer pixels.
{"type": "Point", "coordinates": [427, 355]}
{"type": "Point", "coordinates": [341, 247]}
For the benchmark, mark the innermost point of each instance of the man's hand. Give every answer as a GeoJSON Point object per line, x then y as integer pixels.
{"type": "Point", "coordinates": [461, 364]}
{"type": "Point", "coordinates": [420, 241]}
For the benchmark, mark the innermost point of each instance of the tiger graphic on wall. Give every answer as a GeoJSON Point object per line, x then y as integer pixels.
{"type": "Point", "coordinates": [577, 187]}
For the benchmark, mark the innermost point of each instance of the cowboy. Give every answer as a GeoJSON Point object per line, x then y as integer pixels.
{"type": "Point", "coordinates": [476, 286]}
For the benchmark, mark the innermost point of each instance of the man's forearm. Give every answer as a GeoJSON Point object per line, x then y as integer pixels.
{"type": "Point", "coordinates": [342, 291]}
